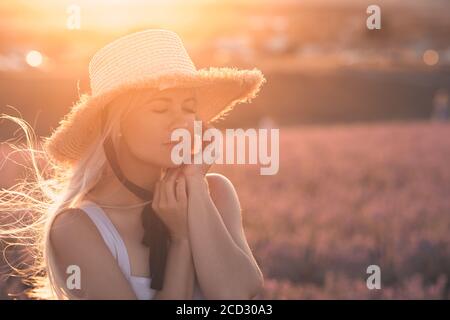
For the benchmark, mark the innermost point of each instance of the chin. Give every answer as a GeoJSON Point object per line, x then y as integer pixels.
{"type": "Point", "coordinates": [168, 164]}
{"type": "Point", "coordinates": [167, 161]}
{"type": "Point", "coordinates": [172, 166]}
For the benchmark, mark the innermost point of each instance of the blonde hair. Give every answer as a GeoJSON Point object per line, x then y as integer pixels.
{"type": "Point", "coordinates": [34, 202]}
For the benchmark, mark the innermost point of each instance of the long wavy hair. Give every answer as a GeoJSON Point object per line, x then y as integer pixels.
{"type": "Point", "coordinates": [29, 207]}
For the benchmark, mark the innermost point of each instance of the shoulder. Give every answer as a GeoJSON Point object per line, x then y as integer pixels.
{"type": "Point", "coordinates": [221, 188]}
{"type": "Point", "coordinates": [70, 216]}
{"type": "Point", "coordinates": [218, 180]}
{"type": "Point", "coordinates": [225, 197]}
{"type": "Point", "coordinates": [73, 231]}
{"type": "Point", "coordinates": [226, 200]}
{"type": "Point", "coordinates": [69, 221]}
{"type": "Point", "coordinates": [76, 241]}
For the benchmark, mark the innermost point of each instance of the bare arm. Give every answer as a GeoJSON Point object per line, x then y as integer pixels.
{"type": "Point", "coordinates": [76, 241]}
{"type": "Point", "coordinates": [225, 265]}
{"type": "Point", "coordinates": [170, 202]}
{"type": "Point", "coordinates": [179, 275]}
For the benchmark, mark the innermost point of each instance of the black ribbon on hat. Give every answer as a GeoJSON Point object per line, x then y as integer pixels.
{"type": "Point", "coordinates": [156, 234]}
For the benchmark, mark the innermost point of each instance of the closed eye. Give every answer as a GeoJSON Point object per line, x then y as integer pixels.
{"type": "Point", "coordinates": [159, 105]}
{"type": "Point", "coordinates": [160, 110]}
{"type": "Point", "coordinates": [190, 105]}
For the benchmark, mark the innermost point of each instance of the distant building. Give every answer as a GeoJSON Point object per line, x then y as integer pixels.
{"type": "Point", "coordinates": [440, 106]}
{"type": "Point", "coordinates": [233, 48]}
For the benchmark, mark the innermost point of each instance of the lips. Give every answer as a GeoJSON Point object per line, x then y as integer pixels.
{"type": "Point", "coordinates": [171, 143]}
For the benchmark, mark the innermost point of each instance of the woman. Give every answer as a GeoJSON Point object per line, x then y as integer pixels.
{"type": "Point", "coordinates": [120, 219]}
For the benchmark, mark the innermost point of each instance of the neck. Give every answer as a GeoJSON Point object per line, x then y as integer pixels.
{"type": "Point", "coordinates": [110, 191]}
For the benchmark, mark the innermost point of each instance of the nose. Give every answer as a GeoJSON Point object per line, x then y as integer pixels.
{"type": "Point", "coordinates": [179, 122]}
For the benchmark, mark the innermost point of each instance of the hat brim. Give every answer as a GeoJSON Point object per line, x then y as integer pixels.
{"type": "Point", "coordinates": [219, 91]}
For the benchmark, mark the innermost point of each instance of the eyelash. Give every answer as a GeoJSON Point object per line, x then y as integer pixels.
{"type": "Point", "coordinates": [159, 111]}
{"type": "Point", "coordinates": [162, 111]}
{"type": "Point", "coordinates": [194, 109]}
{"type": "Point", "coordinates": [191, 110]}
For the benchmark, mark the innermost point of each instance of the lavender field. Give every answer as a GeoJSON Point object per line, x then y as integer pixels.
{"type": "Point", "coordinates": [346, 197]}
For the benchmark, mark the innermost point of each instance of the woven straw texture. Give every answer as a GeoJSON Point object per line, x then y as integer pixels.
{"type": "Point", "coordinates": [154, 59]}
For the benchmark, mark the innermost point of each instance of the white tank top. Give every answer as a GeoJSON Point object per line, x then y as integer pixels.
{"type": "Point", "coordinates": [112, 238]}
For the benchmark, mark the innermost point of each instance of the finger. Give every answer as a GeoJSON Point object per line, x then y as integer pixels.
{"type": "Point", "coordinates": [162, 193]}
{"type": "Point", "coordinates": [181, 189]}
{"type": "Point", "coordinates": [156, 196]}
{"type": "Point", "coordinates": [170, 185]}
{"type": "Point", "coordinates": [171, 175]}
{"type": "Point", "coordinates": [163, 174]}
{"type": "Point", "coordinates": [207, 126]}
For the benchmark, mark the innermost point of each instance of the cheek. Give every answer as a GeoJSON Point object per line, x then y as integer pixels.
{"type": "Point", "coordinates": [143, 134]}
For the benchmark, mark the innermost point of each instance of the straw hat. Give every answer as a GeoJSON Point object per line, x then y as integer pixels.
{"type": "Point", "coordinates": [153, 58]}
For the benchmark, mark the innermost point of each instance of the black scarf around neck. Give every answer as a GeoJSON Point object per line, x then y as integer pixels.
{"type": "Point", "coordinates": [156, 235]}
